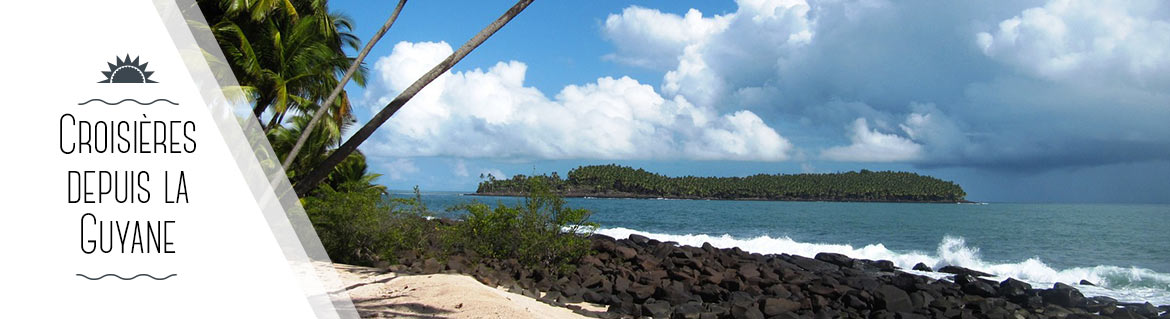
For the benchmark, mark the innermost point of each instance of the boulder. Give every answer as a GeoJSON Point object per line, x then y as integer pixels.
{"type": "Point", "coordinates": [814, 265]}
{"type": "Point", "coordinates": [592, 281]}
{"type": "Point", "coordinates": [1086, 283]}
{"type": "Point", "coordinates": [551, 298]}
{"type": "Point", "coordinates": [625, 253]}
{"type": "Point", "coordinates": [778, 291]}
{"type": "Point", "coordinates": [732, 284]}
{"type": "Point", "coordinates": [593, 297]}
{"type": "Point", "coordinates": [1125, 313]}
{"type": "Point", "coordinates": [922, 267]}
{"type": "Point", "coordinates": [656, 309]}
{"type": "Point", "coordinates": [640, 292]}
{"type": "Point", "coordinates": [1063, 295]}
{"type": "Point", "coordinates": [431, 266]}
{"type": "Point", "coordinates": [1145, 309]}
{"type": "Point", "coordinates": [921, 299]}
{"type": "Point", "coordinates": [621, 283]}
{"type": "Point", "coordinates": [1012, 288]}
{"type": "Point", "coordinates": [602, 242]}
{"type": "Point", "coordinates": [1099, 303]}
{"type": "Point", "coordinates": [775, 306]}
{"type": "Point", "coordinates": [884, 265]}
{"type": "Point", "coordinates": [690, 310]}
{"type": "Point", "coordinates": [676, 293]}
{"type": "Point", "coordinates": [835, 258]}
{"type": "Point", "coordinates": [457, 264]}
{"type": "Point", "coordinates": [749, 271]}
{"type": "Point", "coordinates": [626, 307]}
{"type": "Point", "coordinates": [741, 298]}
{"type": "Point", "coordinates": [746, 312]}
{"type": "Point", "coordinates": [979, 288]}
{"type": "Point", "coordinates": [906, 281]}
{"type": "Point", "coordinates": [639, 239]}
{"type": "Point", "coordinates": [963, 271]}
{"type": "Point", "coordinates": [892, 299]}
{"type": "Point", "coordinates": [710, 292]}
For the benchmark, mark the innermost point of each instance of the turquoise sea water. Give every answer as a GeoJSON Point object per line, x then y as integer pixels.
{"type": "Point", "coordinates": [1124, 249]}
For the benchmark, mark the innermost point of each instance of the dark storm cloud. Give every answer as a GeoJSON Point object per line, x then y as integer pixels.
{"type": "Point", "coordinates": [1003, 85]}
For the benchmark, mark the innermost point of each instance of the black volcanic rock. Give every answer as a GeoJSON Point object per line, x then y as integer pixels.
{"type": "Point", "coordinates": [664, 280]}
{"type": "Point", "coordinates": [1012, 288]}
{"type": "Point", "coordinates": [1144, 309]}
{"type": "Point", "coordinates": [626, 253]}
{"type": "Point", "coordinates": [656, 309]}
{"type": "Point", "coordinates": [1063, 295]}
{"type": "Point", "coordinates": [922, 267]}
{"type": "Point", "coordinates": [979, 288]}
{"type": "Point", "coordinates": [813, 264]}
{"type": "Point", "coordinates": [746, 312]}
{"type": "Point", "coordinates": [963, 271]}
{"type": "Point", "coordinates": [835, 258]}
{"type": "Point", "coordinates": [640, 292]}
{"type": "Point", "coordinates": [1125, 313]}
{"type": "Point", "coordinates": [690, 310]}
{"type": "Point", "coordinates": [639, 239]}
{"type": "Point", "coordinates": [775, 306]}
{"type": "Point", "coordinates": [892, 299]}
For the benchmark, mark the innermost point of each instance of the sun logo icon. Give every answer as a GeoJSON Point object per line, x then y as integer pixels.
{"type": "Point", "coordinates": [127, 71]}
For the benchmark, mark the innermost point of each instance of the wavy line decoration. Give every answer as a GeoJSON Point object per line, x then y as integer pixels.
{"type": "Point", "coordinates": [131, 278]}
{"type": "Point", "coordinates": [131, 100]}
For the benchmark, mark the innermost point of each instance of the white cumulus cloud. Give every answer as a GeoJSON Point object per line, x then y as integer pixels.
{"type": "Point", "coordinates": [1086, 40]}
{"type": "Point", "coordinates": [701, 53]}
{"type": "Point", "coordinates": [491, 113]}
{"type": "Point", "coordinates": [650, 38]}
{"type": "Point", "coordinates": [869, 145]}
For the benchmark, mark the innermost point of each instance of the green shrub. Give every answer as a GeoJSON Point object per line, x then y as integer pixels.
{"type": "Point", "coordinates": [350, 222]}
{"type": "Point", "coordinates": [541, 230]}
{"type": "Point", "coordinates": [358, 224]}
{"type": "Point", "coordinates": [409, 228]}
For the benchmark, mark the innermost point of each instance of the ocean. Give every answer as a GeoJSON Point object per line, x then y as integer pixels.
{"type": "Point", "coordinates": [1123, 249]}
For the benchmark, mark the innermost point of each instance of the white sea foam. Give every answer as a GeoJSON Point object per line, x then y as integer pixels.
{"type": "Point", "coordinates": [1124, 284]}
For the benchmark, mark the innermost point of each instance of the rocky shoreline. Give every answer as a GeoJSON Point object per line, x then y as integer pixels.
{"type": "Point", "coordinates": [641, 277]}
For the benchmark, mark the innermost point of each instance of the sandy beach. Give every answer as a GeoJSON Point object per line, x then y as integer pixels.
{"type": "Point", "coordinates": [380, 294]}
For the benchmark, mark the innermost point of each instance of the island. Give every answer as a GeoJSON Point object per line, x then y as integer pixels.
{"type": "Point", "coordinates": [615, 181]}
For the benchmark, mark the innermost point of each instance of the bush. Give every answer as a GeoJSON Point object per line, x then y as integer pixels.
{"type": "Point", "coordinates": [359, 225]}
{"type": "Point", "coordinates": [410, 228]}
{"type": "Point", "coordinates": [350, 222]}
{"type": "Point", "coordinates": [540, 231]}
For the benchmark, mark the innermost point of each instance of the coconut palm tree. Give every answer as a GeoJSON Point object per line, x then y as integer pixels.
{"type": "Point", "coordinates": [287, 54]}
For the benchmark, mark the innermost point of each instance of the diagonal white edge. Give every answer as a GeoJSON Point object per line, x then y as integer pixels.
{"type": "Point", "coordinates": [257, 162]}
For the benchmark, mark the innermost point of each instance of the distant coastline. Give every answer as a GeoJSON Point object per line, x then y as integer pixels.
{"type": "Point", "coordinates": [646, 196]}
{"type": "Point", "coordinates": [613, 181]}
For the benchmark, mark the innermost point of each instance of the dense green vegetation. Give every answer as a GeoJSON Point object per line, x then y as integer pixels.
{"type": "Point", "coordinates": [540, 230]}
{"type": "Point", "coordinates": [360, 225]}
{"type": "Point", "coordinates": [621, 181]}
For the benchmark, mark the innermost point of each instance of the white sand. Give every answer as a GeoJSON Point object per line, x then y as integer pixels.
{"type": "Point", "coordinates": [384, 295]}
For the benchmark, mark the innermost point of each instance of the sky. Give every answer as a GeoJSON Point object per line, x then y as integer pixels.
{"type": "Point", "coordinates": [1017, 101]}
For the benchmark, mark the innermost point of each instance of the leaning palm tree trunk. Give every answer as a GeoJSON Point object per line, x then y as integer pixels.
{"type": "Point", "coordinates": [357, 62]}
{"type": "Point", "coordinates": [309, 182]}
